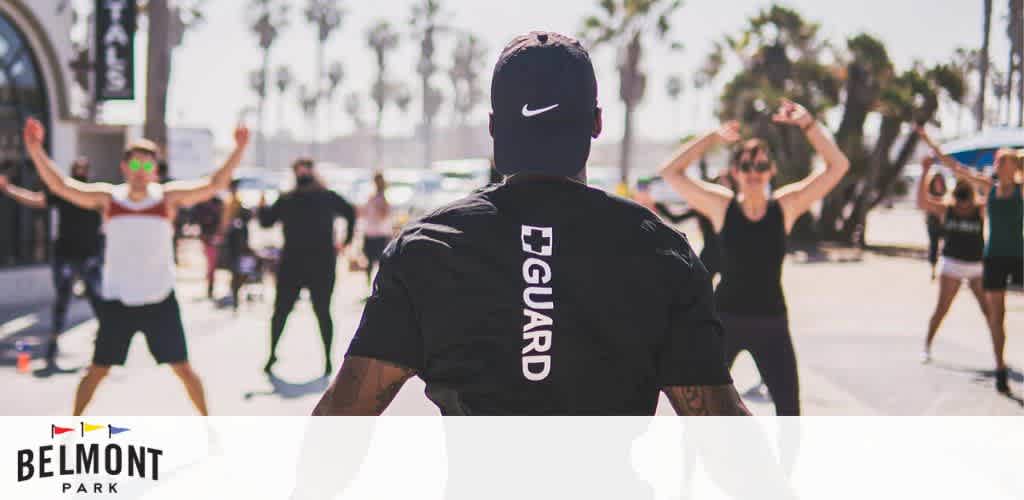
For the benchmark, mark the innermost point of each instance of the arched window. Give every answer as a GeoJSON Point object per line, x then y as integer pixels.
{"type": "Point", "coordinates": [23, 232]}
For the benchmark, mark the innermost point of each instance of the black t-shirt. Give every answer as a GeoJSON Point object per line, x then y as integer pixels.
{"type": "Point", "coordinates": [544, 297]}
{"type": "Point", "coordinates": [308, 219]}
{"type": "Point", "coordinates": [78, 229]}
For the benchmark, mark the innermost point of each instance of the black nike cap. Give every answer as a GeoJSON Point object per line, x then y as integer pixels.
{"type": "Point", "coordinates": [543, 100]}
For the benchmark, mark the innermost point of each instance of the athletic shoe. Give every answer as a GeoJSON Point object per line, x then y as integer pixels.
{"type": "Point", "coordinates": [1002, 385]}
{"type": "Point", "coordinates": [926, 356]}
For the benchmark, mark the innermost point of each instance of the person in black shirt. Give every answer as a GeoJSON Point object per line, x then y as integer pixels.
{"type": "Point", "coordinates": [309, 256]}
{"type": "Point", "coordinates": [754, 225]}
{"type": "Point", "coordinates": [76, 251]}
{"type": "Point", "coordinates": [937, 189]}
{"type": "Point", "coordinates": [963, 221]}
{"type": "Point", "coordinates": [540, 295]}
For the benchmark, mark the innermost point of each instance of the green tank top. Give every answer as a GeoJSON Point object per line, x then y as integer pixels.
{"type": "Point", "coordinates": [1006, 224]}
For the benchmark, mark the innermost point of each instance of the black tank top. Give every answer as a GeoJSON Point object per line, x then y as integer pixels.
{"type": "Point", "coordinates": [752, 275]}
{"type": "Point", "coordinates": [964, 237]}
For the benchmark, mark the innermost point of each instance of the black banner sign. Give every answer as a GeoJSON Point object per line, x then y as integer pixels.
{"type": "Point", "coordinates": [115, 54]}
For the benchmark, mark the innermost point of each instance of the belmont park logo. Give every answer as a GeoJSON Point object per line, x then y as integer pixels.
{"type": "Point", "coordinates": [98, 454]}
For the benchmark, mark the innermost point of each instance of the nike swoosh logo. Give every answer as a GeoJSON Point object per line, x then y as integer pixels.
{"type": "Point", "coordinates": [527, 112]}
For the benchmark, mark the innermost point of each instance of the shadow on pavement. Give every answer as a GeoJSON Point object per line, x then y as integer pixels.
{"type": "Point", "coordinates": [288, 390]}
{"type": "Point", "coordinates": [985, 376]}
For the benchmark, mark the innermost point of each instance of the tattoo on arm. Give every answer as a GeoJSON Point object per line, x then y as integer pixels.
{"type": "Point", "coordinates": [703, 400]}
{"type": "Point", "coordinates": [364, 386]}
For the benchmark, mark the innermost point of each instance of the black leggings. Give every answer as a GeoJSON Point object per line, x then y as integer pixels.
{"type": "Point", "coordinates": [934, 238]}
{"type": "Point", "coordinates": [767, 340]}
{"type": "Point", "coordinates": [315, 275]}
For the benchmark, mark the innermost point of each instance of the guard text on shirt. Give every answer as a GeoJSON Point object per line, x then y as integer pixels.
{"type": "Point", "coordinates": [537, 297]}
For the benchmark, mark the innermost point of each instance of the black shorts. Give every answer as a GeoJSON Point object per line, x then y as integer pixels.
{"type": "Point", "coordinates": [1001, 271]}
{"type": "Point", "coordinates": [160, 323]}
{"type": "Point", "coordinates": [373, 247]}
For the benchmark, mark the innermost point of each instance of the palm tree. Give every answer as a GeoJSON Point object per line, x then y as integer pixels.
{"type": "Point", "coordinates": [383, 39]}
{"type": "Point", "coordinates": [983, 64]}
{"type": "Point", "coordinates": [309, 101]}
{"type": "Point", "coordinates": [335, 75]}
{"type": "Point", "coordinates": [674, 89]}
{"type": "Point", "coordinates": [625, 23]}
{"type": "Point", "coordinates": [326, 16]}
{"type": "Point", "coordinates": [167, 27]}
{"type": "Point", "coordinates": [268, 18]}
{"type": "Point", "coordinates": [467, 61]}
{"type": "Point", "coordinates": [283, 80]}
{"type": "Point", "coordinates": [354, 110]}
{"type": "Point", "coordinates": [426, 24]}
{"type": "Point", "coordinates": [1015, 32]}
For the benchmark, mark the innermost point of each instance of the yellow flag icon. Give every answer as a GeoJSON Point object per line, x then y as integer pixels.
{"type": "Point", "coordinates": [90, 427]}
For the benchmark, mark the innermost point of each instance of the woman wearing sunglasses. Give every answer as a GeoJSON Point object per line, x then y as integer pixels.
{"type": "Point", "coordinates": [963, 221]}
{"type": "Point", "coordinates": [753, 224]}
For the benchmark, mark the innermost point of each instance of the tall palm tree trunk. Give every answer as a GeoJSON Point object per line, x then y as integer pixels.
{"type": "Point", "coordinates": [158, 72]}
{"type": "Point", "coordinates": [983, 65]}
{"type": "Point", "coordinates": [262, 108]}
{"type": "Point", "coordinates": [626, 149]}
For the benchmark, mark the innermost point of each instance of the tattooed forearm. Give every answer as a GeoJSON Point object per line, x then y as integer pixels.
{"type": "Point", "coordinates": [698, 400]}
{"type": "Point", "coordinates": [364, 386]}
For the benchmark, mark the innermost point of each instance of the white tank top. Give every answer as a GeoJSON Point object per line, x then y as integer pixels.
{"type": "Point", "coordinates": [138, 263]}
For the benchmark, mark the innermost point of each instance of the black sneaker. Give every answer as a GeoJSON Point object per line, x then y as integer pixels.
{"type": "Point", "coordinates": [1002, 385]}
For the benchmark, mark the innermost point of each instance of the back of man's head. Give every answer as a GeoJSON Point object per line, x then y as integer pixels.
{"type": "Point", "coordinates": [544, 106]}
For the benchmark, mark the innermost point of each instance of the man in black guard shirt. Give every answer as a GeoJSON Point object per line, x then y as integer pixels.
{"type": "Point", "coordinates": [540, 295]}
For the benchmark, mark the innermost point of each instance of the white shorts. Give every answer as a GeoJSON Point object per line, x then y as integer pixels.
{"type": "Point", "coordinates": [960, 269]}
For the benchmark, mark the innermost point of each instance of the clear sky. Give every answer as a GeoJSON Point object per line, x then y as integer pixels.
{"type": "Point", "coordinates": [210, 76]}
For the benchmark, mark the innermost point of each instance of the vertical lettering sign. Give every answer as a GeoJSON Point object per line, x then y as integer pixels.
{"type": "Point", "coordinates": [115, 54]}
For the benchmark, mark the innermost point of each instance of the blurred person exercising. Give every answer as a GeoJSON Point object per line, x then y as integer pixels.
{"type": "Point", "coordinates": [962, 221]}
{"type": "Point", "coordinates": [309, 256]}
{"type": "Point", "coordinates": [1003, 262]}
{"type": "Point", "coordinates": [377, 224]}
{"type": "Point", "coordinates": [138, 268]}
{"type": "Point", "coordinates": [754, 224]}
{"type": "Point", "coordinates": [77, 251]}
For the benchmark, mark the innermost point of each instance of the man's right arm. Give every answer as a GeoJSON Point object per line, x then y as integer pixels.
{"type": "Point", "coordinates": [91, 196]}
{"type": "Point", "coordinates": [364, 386]}
{"type": "Point", "coordinates": [706, 400]}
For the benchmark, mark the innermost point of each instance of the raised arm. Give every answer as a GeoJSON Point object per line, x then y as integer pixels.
{"type": "Point", "coordinates": [925, 201]}
{"type": "Point", "coordinates": [959, 170]}
{"type": "Point", "coordinates": [31, 199]}
{"type": "Point", "coordinates": [92, 196]}
{"type": "Point", "coordinates": [188, 193]}
{"type": "Point", "coordinates": [707, 198]}
{"type": "Point", "coordinates": [797, 198]}
{"type": "Point", "coordinates": [364, 386]}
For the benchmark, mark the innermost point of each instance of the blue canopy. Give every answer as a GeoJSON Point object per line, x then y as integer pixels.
{"type": "Point", "coordinates": [979, 151]}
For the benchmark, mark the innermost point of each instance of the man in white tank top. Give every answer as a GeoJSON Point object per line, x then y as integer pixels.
{"type": "Point", "coordinates": [138, 273]}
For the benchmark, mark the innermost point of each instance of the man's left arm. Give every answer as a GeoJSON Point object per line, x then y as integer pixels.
{"type": "Point", "coordinates": [188, 193]}
{"type": "Point", "coordinates": [345, 210]}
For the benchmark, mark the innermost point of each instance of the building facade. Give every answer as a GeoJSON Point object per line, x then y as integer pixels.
{"type": "Point", "coordinates": [35, 81]}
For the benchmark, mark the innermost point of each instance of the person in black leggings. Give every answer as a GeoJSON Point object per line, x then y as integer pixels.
{"type": "Point", "coordinates": [936, 189]}
{"type": "Point", "coordinates": [753, 226]}
{"type": "Point", "coordinates": [309, 257]}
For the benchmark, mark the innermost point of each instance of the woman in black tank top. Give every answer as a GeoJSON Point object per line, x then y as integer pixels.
{"type": "Point", "coordinates": [962, 220]}
{"type": "Point", "coordinates": [753, 225]}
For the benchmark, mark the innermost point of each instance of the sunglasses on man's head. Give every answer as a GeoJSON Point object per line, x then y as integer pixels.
{"type": "Point", "coordinates": [136, 165]}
